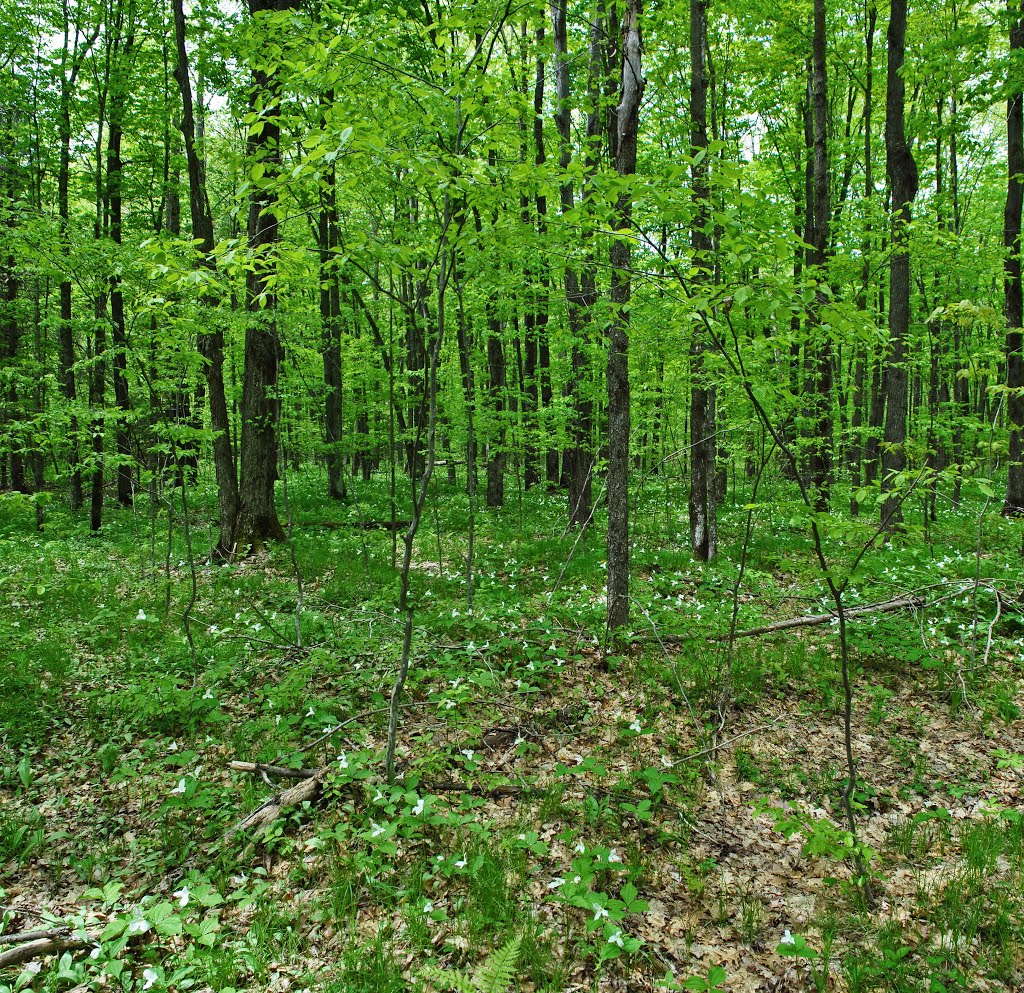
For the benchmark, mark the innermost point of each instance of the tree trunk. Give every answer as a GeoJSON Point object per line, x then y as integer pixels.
{"type": "Point", "coordinates": [121, 63]}
{"type": "Point", "coordinates": [71, 64]}
{"type": "Point", "coordinates": [627, 119]}
{"type": "Point", "coordinates": [1013, 506]}
{"type": "Point", "coordinates": [261, 412]}
{"type": "Point", "coordinates": [702, 507]}
{"type": "Point", "coordinates": [821, 439]}
{"type": "Point", "coordinates": [902, 172]}
{"type": "Point", "coordinates": [858, 446]}
{"type": "Point", "coordinates": [210, 343]}
{"type": "Point", "coordinates": [580, 290]}
{"type": "Point", "coordinates": [330, 322]}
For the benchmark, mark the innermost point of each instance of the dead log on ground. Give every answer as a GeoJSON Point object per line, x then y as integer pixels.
{"type": "Point", "coordinates": [806, 621]}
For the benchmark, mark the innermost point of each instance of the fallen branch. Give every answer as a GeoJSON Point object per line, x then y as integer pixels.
{"type": "Point", "coordinates": [281, 772]}
{"type": "Point", "coordinates": [268, 812]}
{"type": "Point", "coordinates": [17, 939]}
{"type": "Point", "coordinates": [806, 621]}
{"type": "Point", "coordinates": [43, 946]}
{"type": "Point", "coordinates": [364, 525]}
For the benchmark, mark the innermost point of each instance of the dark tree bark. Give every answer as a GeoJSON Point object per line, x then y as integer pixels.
{"type": "Point", "coordinates": [496, 375]}
{"type": "Point", "coordinates": [122, 58]}
{"type": "Point", "coordinates": [1013, 505]}
{"type": "Point", "coordinates": [257, 520]}
{"type": "Point", "coordinates": [580, 288]}
{"type": "Point", "coordinates": [331, 326]}
{"type": "Point", "coordinates": [96, 347]}
{"type": "Point", "coordinates": [10, 336]}
{"type": "Point", "coordinates": [544, 296]}
{"type": "Point", "coordinates": [902, 172]}
{"type": "Point", "coordinates": [71, 65]}
{"type": "Point", "coordinates": [703, 509]}
{"type": "Point", "coordinates": [857, 446]}
{"type": "Point", "coordinates": [627, 120]}
{"type": "Point", "coordinates": [821, 441]}
{"type": "Point", "coordinates": [210, 342]}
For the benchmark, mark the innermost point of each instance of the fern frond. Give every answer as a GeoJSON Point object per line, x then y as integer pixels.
{"type": "Point", "coordinates": [449, 979]}
{"type": "Point", "coordinates": [497, 972]}
{"type": "Point", "coordinates": [494, 975]}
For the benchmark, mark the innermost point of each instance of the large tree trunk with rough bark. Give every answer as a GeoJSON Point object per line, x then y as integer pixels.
{"type": "Point", "coordinates": [821, 365]}
{"type": "Point", "coordinates": [627, 120]}
{"type": "Point", "coordinates": [210, 341]}
{"type": "Point", "coordinates": [1013, 506]}
{"type": "Point", "coordinates": [902, 172]}
{"type": "Point", "coordinates": [257, 514]}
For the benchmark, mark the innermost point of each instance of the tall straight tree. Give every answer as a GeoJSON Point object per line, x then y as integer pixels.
{"type": "Point", "coordinates": [210, 339]}
{"type": "Point", "coordinates": [902, 172]}
{"type": "Point", "coordinates": [821, 444]}
{"type": "Point", "coordinates": [121, 63]}
{"type": "Point", "coordinates": [703, 512]}
{"type": "Point", "coordinates": [257, 514]}
{"type": "Point", "coordinates": [627, 116]}
{"type": "Point", "coordinates": [72, 58]}
{"type": "Point", "coordinates": [580, 288]}
{"type": "Point", "coordinates": [1013, 506]}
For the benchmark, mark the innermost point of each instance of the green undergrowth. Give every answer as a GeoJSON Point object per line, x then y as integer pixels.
{"type": "Point", "coordinates": [549, 786]}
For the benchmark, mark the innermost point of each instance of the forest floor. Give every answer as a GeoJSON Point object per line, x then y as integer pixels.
{"type": "Point", "coordinates": [573, 818]}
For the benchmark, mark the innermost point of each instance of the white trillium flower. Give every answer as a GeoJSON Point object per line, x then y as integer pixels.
{"type": "Point", "coordinates": [787, 938]}
{"type": "Point", "coordinates": [309, 713]}
{"type": "Point", "coordinates": [179, 790]}
{"type": "Point", "coordinates": [461, 864]}
{"type": "Point", "coordinates": [469, 753]}
{"type": "Point", "coordinates": [635, 726]}
{"type": "Point", "coordinates": [343, 760]}
{"type": "Point", "coordinates": [428, 907]}
{"type": "Point", "coordinates": [141, 615]}
{"type": "Point", "coordinates": [599, 912]}
{"type": "Point", "coordinates": [138, 926]}
{"type": "Point", "coordinates": [375, 829]}
{"type": "Point", "coordinates": [208, 695]}
{"type": "Point", "coordinates": [172, 747]}
{"type": "Point", "coordinates": [418, 809]}
{"type": "Point", "coordinates": [150, 977]}
{"type": "Point", "coordinates": [614, 856]}
{"type": "Point", "coordinates": [616, 939]}
{"type": "Point", "coordinates": [579, 847]}
{"type": "Point", "coordinates": [556, 882]}
{"type": "Point", "coordinates": [183, 894]}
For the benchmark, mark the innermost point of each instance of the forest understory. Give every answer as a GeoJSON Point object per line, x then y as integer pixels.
{"type": "Point", "coordinates": [662, 813]}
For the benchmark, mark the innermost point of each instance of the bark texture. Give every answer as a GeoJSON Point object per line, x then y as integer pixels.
{"type": "Point", "coordinates": [703, 510]}
{"type": "Point", "coordinates": [627, 119]}
{"type": "Point", "coordinates": [257, 520]}
{"type": "Point", "coordinates": [902, 172]}
{"type": "Point", "coordinates": [209, 340]}
{"type": "Point", "coordinates": [1013, 506]}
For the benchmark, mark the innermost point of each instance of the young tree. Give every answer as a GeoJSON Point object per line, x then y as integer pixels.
{"type": "Point", "coordinates": [1013, 505]}
{"type": "Point", "coordinates": [703, 444]}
